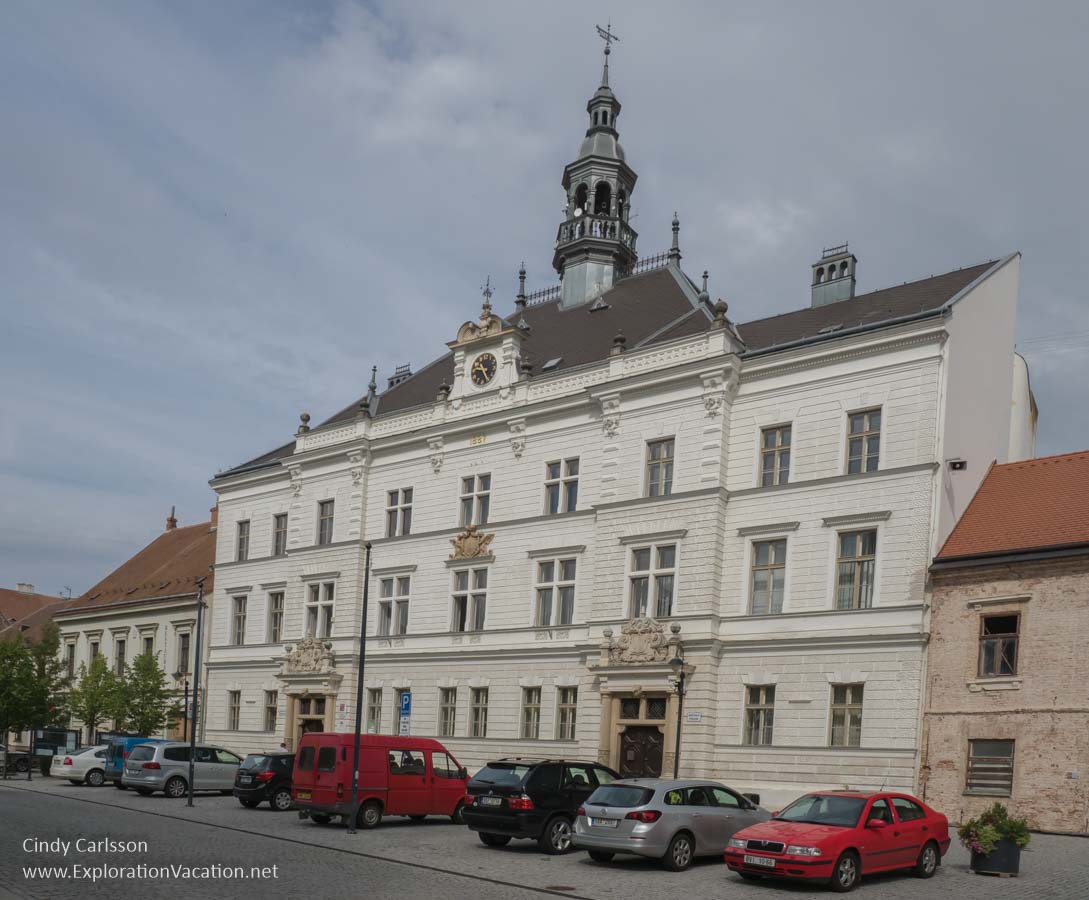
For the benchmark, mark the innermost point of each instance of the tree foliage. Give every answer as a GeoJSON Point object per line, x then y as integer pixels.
{"type": "Point", "coordinates": [17, 686]}
{"type": "Point", "coordinates": [146, 705]}
{"type": "Point", "coordinates": [97, 697]}
{"type": "Point", "coordinates": [51, 679]}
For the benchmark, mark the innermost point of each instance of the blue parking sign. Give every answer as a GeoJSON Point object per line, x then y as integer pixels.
{"type": "Point", "coordinates": [406, 703]}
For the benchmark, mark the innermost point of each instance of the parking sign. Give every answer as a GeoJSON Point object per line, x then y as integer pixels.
{"type": "Point", "coordinates": [406, 703]}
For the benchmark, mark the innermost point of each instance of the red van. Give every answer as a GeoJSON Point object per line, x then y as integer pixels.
{"type": "Point", "coordinates": [398, 776]}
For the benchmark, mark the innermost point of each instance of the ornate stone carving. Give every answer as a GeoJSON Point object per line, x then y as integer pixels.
{"type": "Point", "coordinates": [641, 641]}
{"type": "Point", "coordinates": [471, 544]}
{"type": "Point", "coordinates": [718, 389]}
{"type": "Point", "coordinates": [517, 436]}
{"type": "Point", "coordinates": [309, 655]}
{"type": "Point", "coordinates": [610, 415]}
{"type": "Point", "coordinates": [489, 325]}
{"type": "Point", "coordinates": [296, 479]}
{"type": "Point", "coordinates": [355, 457]}
{"type": "Point", "coordinates": [436, 453]}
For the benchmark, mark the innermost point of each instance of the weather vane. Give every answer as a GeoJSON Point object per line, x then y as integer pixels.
{"type": "Point", "coordinates": [607, 35]}
{"type": "Point", "coordinates": [486, 289]}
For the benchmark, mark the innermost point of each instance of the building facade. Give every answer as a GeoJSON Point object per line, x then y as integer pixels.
{"type": "Point", "coordinates": [613, 482]}
{"type": "Point", "coordinates": [1007, 714]}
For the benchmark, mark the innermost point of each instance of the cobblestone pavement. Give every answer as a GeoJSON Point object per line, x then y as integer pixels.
{"type": "Point", "coordinates": [404, 859]}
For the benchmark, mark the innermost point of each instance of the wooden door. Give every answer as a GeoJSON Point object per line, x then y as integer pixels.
{"type": "Point", "coordinates": [641, 752]}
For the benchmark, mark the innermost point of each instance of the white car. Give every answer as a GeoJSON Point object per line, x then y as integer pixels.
{"type": "Point", "coordinates": [82, 766]}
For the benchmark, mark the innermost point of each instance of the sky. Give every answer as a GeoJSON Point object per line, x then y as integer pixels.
{"type": "Point", "coordinates": [216, 215]}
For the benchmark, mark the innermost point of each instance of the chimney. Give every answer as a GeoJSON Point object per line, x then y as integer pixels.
{"type": "Point", "coordinates": [400, 374]}
{"type": "Point", "coordinates": [25, 587]}
{"type": "Point", "coordinates": [834, 276]}
{"type": "Point", "coordinates": [215, 517]}
{"type": "Point", "coordinates": [171, 520]}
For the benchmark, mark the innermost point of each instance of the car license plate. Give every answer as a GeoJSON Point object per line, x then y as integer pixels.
{"type": "Point", "coordinates": [603, 823]}
{"type": "Point", "coordinates": [302, 795]}
{"type": "Point", "coordinates": [244, 779]}
{"type": "Point", "coordinates": [760, 861]}
{"type": "Point", "coordinates": [491, 801]}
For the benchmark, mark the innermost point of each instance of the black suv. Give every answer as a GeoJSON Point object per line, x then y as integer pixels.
{"type": "Point", "coordinates": [265, 776]}
{"type": "Point", "coordinates": [533, 799]}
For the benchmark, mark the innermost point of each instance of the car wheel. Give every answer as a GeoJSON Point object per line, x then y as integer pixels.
{"type": "Point", "coordinates": [556, 837]}
{"type": "Point", "coordinates": [175, 788]}
{"type": "Point", "coordinates": [281, 800]}
{"type": "Point", "coordinates": [144, 792]}
{"type": "Point", "coordinates": [845, 874]}
{"type": "Point", "coordinates": [95, 777]}
{"type": "Point", "coordinates": [120, 786]}
{"type": "Point", "coordinates": [370, 814]}
{"type": "Point", "coordinates": [321, 818]}
{"type": "Point", "coordinates": [248, 802]}
{"type": "Point", "coordinates": [458, 815]}
{"type": "Point", "coordinates": [927, 863]}
{"type": "Point", "coordinates": [493, 840]}
{"type": "Point", "coordinates": [601, 855]}
{"type": "Point", "coordinates": [678, 856]}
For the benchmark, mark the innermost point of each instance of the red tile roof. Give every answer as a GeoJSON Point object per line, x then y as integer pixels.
{"type": "Point", "coordinates": [1038, 504]}
{"type": "Point", "coordinates": [23, 613]}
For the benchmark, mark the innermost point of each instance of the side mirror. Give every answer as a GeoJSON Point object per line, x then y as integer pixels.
{"type": "Point", "coordinates": [463, 772]}
{"type": "Point", "coordinates": [876, 824]}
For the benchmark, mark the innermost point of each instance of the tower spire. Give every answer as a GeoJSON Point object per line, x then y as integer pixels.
{"type": "Point", "coordinates": [608, 37]}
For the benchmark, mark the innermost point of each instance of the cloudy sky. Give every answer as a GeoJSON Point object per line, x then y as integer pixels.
{"type": "Point", "coordinates": [214, 215]}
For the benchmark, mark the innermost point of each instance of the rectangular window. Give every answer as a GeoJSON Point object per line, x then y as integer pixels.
{"type": "Point", "coordinates": [275, 617]}
{"type": "Point", "coordinates": [566, 705]}
{"type": "Point", "coordinates": [478, 713]}
{"type": "Point", "coordinates": [759, 714]}
{"type": "Point", "coordinates": [470, 599]}
{"type": "Point", "coordinates": [990, 768]}
{"type": "Point", "coordinates": [555, 592]}
{"type": "Point", "coordinates": [149, 646]}
{"type": "Point", "coordinates": [660, 468]}
{"type": "Point", "coordinates": [242, 544]}
{"type": "Point", "coordinates": [448, 711]}
{"type": "Point", "coordinates": [531, 713]}
{"type": "Point", "coordinates": [863, 441]}
{"type": "Point", "coordinates": [651, 582]}
{"type": "Point", "coordinates": [234, 709]}
{"type": "Point", "coordinates": [775, 455]}
{"type": "Point", "coordinates": [93, 650]}
{"type": "Point", "coordinates": [393, 605]}
{"type": "Point", "coordinates": [70, 659]}
{"type": "Point", "coordinates": [561, 486]}
{"type": "Point", "coordinates": [238, 622]}
{"type": "Point", "coordinates": [399, 512]}
{"type": "Point", "coordinates": [183, 652]}
{"type": "Point", "coordinates": [846, 715]}
{"type": "Point", "coordinates": [319, 609]}
{"type": "Point", "coordinates": [279, 534]}
{"type": "Point", "coordinates": [272, 700]}
{"type": "Point", "coordinates": [476, 495]}
{"type": "Point", "coordinates": [768, 576]}
{"type": "Point", "coordinates": [998, 637]}
{"type": "Point", "coordinates": [119, 658]}
{"type": "Point", "coordinates": [374, 711]}
{"type": "Point", "coordinates": [855, 569]}
{"type": "Point", "coordinates": [325, 522]}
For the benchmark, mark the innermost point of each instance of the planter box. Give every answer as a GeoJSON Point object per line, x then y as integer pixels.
{"type": "Point", "coordinates": [1005, 859]}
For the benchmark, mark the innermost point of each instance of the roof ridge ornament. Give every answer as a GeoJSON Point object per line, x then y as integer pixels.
{"type": "Point", "coordinates": [608, 37]}
{"type": "Point", "coordinates": [486, 307]}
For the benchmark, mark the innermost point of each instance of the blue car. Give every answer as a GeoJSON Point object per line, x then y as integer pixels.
{"type": "Point", "coordinates": [118, 752]}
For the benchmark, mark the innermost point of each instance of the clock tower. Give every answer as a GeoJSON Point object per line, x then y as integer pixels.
{"type": "Point", "coordinates": [486, 354]}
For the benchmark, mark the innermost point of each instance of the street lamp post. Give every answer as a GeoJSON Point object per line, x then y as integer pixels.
{"type": "Point", "coordinates": [359, 692]}
{"type": "Point", "coordinates": [196, 689]}
{"type": "Point", "coordinates": [677, 665]}
{"type": "Point", "coordinates": [179, 676]}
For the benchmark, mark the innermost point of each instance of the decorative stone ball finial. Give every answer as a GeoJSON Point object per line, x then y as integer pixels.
{"type": "Point", "coordinates": [304, 423]}
{"type": "Point", "coordinates": [619, 343]}
{"type": "Point", "coordinates": [365, 407]}
{"type": "Point", "coordinates": [444, 391]}
{"type": "Point", "coordinates": [526, 366]}
{"type": "Point", "coordinates": [675, 628]}
{"type": "Point", "coordinates": [720, 313]}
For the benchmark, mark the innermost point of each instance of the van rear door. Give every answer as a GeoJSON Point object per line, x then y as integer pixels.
{"type": "Point", "coordinates": [302, 782]}
{"type": "Point", "coordinates": [409, 783]}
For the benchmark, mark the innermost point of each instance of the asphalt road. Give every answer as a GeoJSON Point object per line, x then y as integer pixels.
{"type": "Point", "coordinates": [407, 860]}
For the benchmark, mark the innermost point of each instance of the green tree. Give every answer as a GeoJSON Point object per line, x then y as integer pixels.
{"type": "Point", "coordinates": [17, 689]}
{"type": "Point", "coordinates": [147, 705]}
{"type": "Point", "coordinates": [51, 678]}
{"type": "Point", "coordinates": [97, 697]}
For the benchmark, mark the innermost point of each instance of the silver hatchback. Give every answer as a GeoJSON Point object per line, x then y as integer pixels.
{"type": "Point", "coordinates": [667, 819]}
{"type": "Point", "coordinates": [165, 767]}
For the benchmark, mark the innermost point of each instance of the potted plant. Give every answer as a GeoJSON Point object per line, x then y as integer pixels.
{"type": "Point", "coordinates": [996, 840]}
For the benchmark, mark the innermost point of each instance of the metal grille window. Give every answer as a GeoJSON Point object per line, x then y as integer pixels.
{"type": "Point", "coordinates": [393, 605]}
{"type": "Point", "coordinates": [846, 715]}
{"type": "Point", "coordinates": [119, 658]}
{"type": "Point", "coordinates": [242, 545]}
{"type": "Point", "coordinates": [561, 485]}
{"type": "Point", "coordinates": [651, 582]}
{"type": "Point", "coordinates": [325, 522]}
{"type": "Point", "coordinates": [319, 609]}
{"type": "Point", "coordinates": [990, 768]}
{"type": "Point", "coordinates": [374, 710]}
{"type": "Point", "coordinates": [279, 534]}
{"type": "Point", "coordinates": [531, 713]}
{"type": "Point", "coordinates": [566, 708]}
{"type": "Point", "coordinates": [238, 622]}
{"type": "Point", "coordinates": [555, 591]}
{"type": "Point", "coordinates": [399, 512]}
{"type": "Point", "coordinates": [470, 599]}
{"type": "Point", "coordinates": [759, 714]}
{"type": "Point", "coordinates": [775, 456]}
{"type": "Point", "coordinates": [855, 569]}
{"type": "Point", "coordinates": [660, 468]}
{"type": "Point", "coordinates": [272, 699]}
{"type": "Point", "coordinates": [448, 711]}
{"type": "Point", "coordinates": [234, 709]}
{"type": "Point", "coordinates": [768, 576]}
{"type": "Point", "coordinates": [478, 713]}
{"type": "Point", "coordinates": [183, 652]}
{"type": "Point", "coordinates": [476, 497]}
{"type": "Point", "coordinates": [275, 617]}
{"type": "Point", "coordinates": [998, 638]}
{"type": "Point", "coordinates": [863, 441]}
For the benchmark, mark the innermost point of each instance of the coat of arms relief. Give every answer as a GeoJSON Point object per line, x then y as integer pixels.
{"type": "Point", "coordinates": [641, 640]}
{"type": "Point", "coordinates": [471, 543]}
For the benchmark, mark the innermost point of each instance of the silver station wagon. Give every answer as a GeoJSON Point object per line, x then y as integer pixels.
{"type": "Point", "coordinates": [667, 819]}
{"type": "Point", "coordinates": [165, 767]}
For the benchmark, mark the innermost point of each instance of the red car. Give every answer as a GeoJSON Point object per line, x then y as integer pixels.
{"type": "Point", "coordinates": [838, 836]}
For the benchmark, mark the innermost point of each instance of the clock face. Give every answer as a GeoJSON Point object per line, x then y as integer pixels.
{"type": "Point", "coordinates": [483, 369]}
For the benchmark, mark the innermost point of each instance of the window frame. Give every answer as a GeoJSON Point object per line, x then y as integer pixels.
{"type": "Point", "coordinates": [242, 540]}
{"type": "Point", "coordinates": [478, 712]}
{"type": "Point", "coordinates": [120, 648]}
{"type": "Point", "coordinates": [857, 562]}
{"type": "Point", "coordinates": [985, 639]}
{"type": "Point", "coordinates": [234, 710]}
{"type": "Point", "coordinates": [779, 473]}
{"type": "Point", "coordinates": [562, 483]}
{"type": "Point", "coordinates": [279, 535]}
{"type": "Point", "coordinates": [530, 720]}
{"type": "Point", "coordinates": [969, 767]}
{"type": "Point", "coordinates": [239, 602]}
{"type": "Point", "coordinates": [557, 586]}
{"type": "Point", "coordinates": [567, 712]}
{"type": "Point", "coordinates": [319, 610]}
{"type": "Point", "coordinates": [653, 574]}
{"type": "Point", "coordinates": [275, 616]}
{"type": "Point", "coordinates": [864, 436]}
{"type": "Point", "coordinates": [478, 498]}
{"type": "Point", "coordinates": [759, 716]}
{"type": "Point", "coordinates": [661, 486]}
{"type": "Point", "coordinates": [326, 518]}
{"type": "Point", "coordinates": [772, 541]}
{"type": "Point", "coordinates": [185, 639]}
{"type": "Point", "coordinates": [374, 711]}
{"type": "Point", "coordinates": [448, 711]}
{"type": "Point", "coordinates": [399, 511]}
{"type": "Point", "coordinates": [847, 707]}
{"type": "Point", "coordinates": [475, 599]}
{"type": "Point", "coordinates": [272, 706]}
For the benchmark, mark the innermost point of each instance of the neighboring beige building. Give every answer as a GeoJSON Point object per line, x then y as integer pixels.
{"type": "Point", "coordinates": [1007, 713]}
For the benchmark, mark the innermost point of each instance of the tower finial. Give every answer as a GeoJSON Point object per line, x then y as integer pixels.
{"type": "Point", "coordinates": [373, 385]}
{"type": "Point", "coordinates": [486, 290]}
{"type": "Point", "coordinates": [675, 249]}
{"type": "Point", "coordinates": [520, 300]}
{"type": "Point", "coordinates": [608, 37]}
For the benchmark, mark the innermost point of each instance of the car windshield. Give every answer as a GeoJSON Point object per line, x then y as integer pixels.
{"type": "Point", "coordinates": [141, 752]}
{"type": "Point", "coordinates": [825, 809]}
{"type": "Point", "coordinates": [624, 796]}
{"type": "Point", "coordinates": [506, 774]}
{"type": "Point", "coordinates": [255, 761]}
